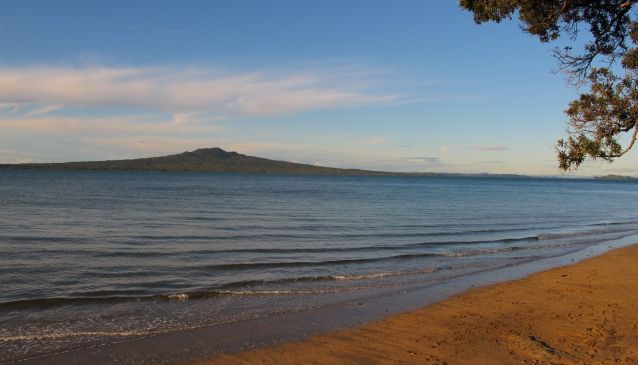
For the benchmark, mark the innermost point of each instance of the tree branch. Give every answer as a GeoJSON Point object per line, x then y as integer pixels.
{"type": "Point", "coordinates": [633, 138]}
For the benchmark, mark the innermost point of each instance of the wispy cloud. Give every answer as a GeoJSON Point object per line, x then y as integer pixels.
{"type": "Point", "coordinates": [414, 160]}
{"type": "Point", "coordinates": [46, 109]}
{"type": "Point", "coordinates": [488, 148]}
{"type": "Point", "coordinates": [180, 123]}
{"type": "Point", "coordinates": [258, 93]}
{"type": "Point", "coordinates": [100, 137]}
{"type": "Point", "coordinates": [100, 111]}
{"type": "Point", "coordinates": [370, 141]}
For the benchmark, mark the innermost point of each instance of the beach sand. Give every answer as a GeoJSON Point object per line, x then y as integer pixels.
{"type": "Point", "coordinates": [585, 313]}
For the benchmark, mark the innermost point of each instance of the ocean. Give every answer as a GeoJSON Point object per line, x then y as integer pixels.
{"type": "Point", "coordinates": [93, 258]}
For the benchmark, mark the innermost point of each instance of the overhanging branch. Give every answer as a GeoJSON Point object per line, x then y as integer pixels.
{"type": "Point", "coordinates": [633, 138]}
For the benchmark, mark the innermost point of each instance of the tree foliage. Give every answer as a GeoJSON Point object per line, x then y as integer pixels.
{"type": "Point", "coordinates": [610, 107]}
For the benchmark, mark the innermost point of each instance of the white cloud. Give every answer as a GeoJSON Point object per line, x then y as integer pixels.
{"type": "Point", "coordinates": [175, 90]}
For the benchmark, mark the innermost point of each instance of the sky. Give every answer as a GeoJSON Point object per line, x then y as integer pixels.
{"type": "Point", "coordinates": [387, 85]}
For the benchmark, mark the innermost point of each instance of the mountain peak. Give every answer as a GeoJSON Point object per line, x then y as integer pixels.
{"type": "Point", "coordinates": [215, 152]}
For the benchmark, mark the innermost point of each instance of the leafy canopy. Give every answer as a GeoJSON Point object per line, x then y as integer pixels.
{"type": "Point", "coordinates": [610, 107]}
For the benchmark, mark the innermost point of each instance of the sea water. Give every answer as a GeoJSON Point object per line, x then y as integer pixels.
{"type": "Point", "coordinates": [92, 258]}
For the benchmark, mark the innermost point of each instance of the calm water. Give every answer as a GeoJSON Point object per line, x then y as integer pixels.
{"type": "Point", "coordinates": [89, 258]}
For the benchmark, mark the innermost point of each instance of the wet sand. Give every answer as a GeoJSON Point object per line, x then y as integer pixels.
{"type": "Point", "coordinates": [585, 313]}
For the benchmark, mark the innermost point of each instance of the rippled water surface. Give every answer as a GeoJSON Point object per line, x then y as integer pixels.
{"type": "Point", "coordinates": [89, 258]}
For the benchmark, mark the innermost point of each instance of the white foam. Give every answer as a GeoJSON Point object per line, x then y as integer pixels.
{"type": "Point", "coordinates": [178, 296]}
{"type": "Point", "coordinates": [53, 336]}
{"type": "Point", "coordinates": [381, 274]}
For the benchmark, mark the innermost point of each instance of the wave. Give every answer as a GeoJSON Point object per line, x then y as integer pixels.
{"type": "Point", "coordinates": [591, 232]}
{"type": "Point", "coordinates": [274, 250]}
{"type": "Point", "coordinates": [617, 223]}
{"type": "Point", "coordinates": [231, 289]}
{"type": "Point", "coordinates": [467, 248]}
{"type": "Point", "coordinates": [284, 264]}
{"type": "Point", "coordinates": [614, 227]}
{"type": "Point", "coordinates": [261, 235]}
{"type": "Point", "coordinates": [405, 256]}
{"type": "Point", "coordinates": [240, 287]}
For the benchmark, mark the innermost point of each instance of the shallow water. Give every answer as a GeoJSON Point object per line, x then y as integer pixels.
{"type": "Point", "coordinates": [88, 258]}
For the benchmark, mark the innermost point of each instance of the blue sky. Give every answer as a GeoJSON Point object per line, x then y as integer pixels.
{"type": "Point", "coordinates": [392, 85]}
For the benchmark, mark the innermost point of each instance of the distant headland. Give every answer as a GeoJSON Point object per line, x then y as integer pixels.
{"type": "Point", "coordinates": [217, 160]}
{"type": "Point", "coordinates": [203, 160]}
{"type": "Point", "coordinates": [615, 177]}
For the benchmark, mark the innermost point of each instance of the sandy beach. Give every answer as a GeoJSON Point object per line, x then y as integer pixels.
{"type": "Point", "coordinates": [585, 313]}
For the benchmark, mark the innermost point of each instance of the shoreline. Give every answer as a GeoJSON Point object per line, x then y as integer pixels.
{"type": "Point", "coordinates": [585, 313]}
{"type": "Point", "coordinates": [201, 345]}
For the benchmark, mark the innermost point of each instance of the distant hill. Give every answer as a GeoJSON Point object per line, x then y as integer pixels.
{"type": "Point", "coordinates": [204, 160]}
{"type": "Point", "coordinates": [615, 177]}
